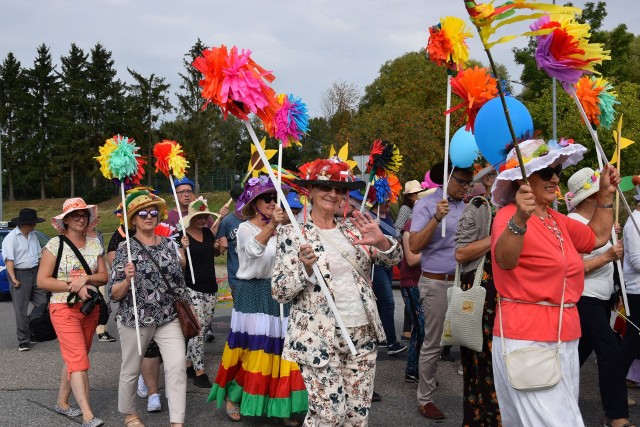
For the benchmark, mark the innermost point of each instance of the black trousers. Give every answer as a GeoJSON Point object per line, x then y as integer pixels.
{"type": "Point", "coordinates": [598, 336]}
{"type": "Point", "coordinates": [631, 341]}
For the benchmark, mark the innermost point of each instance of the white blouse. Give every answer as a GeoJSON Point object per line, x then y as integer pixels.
{"type": "Point", "coordinates": [256, 260]}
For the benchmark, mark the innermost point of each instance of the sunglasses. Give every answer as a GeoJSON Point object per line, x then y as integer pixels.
{"type": "Point", "coordinates": [462, 182]}
{"type": "Point", "coordinates": [268, 198]}
{"type": "Point", "coordinates": [328, 188]}
{"type": "Point", "coordinates": [548, 172]}
{"type": "Point", "coordinates": [143, 214]}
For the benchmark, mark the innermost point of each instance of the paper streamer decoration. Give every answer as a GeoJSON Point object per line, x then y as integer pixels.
{"type": "Point", "coordinates": [475, 86]}
{"type": "Point", "coordinates": [292, 120]}
{"type": "Point", "coordinates": [447, 44]}
{"type": "Point", "coordinates": [598, 100]}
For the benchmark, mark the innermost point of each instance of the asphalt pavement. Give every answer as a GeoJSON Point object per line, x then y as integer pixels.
{"type": "Point", "coordinates": [29, 383]}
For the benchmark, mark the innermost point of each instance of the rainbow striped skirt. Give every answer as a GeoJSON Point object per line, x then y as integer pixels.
{"type": "Point", "coordinates": [251, 371]}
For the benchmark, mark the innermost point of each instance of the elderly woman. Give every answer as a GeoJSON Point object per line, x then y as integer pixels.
{"type": "Point", "coordinates": [251, 377]}
{"type": "Point", "coordinates": [156, 271]}
{"type": "Point", "coordinates": [473, 242]}
{"type": "Point", "coordinates": [594, 305]}
{"type": "Point", "coordinates": [72, 268]}
{"type": "Point", "coordinates": [203, 249]}
{"type": "Point", "coordinates": [340, 385]}
{"type": "Point", "coordinates": [539, 274]}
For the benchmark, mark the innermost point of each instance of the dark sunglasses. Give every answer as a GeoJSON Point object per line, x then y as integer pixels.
{"type": "Point", "coordinates": [328, 188]}
{"type": "Point", "coordinates": [143, 214]}
{"type": "Point", "coordinates": [268, 198]}
{"type": "Point", "coordinates": [548, 172]}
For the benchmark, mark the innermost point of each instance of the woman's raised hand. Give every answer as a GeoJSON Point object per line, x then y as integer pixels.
{"type": "Point", "coordinates": [609, 179]}
{"type": "Point", "coordinates": [278, 215]}
{"type": "Point", "coordinates": [370, 231]}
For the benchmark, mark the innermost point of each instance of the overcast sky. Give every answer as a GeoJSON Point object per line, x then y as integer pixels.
{"type": "Point", "coordinates": [308, 44]}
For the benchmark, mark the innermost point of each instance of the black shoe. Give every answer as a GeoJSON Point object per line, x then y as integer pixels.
{"type": "Point", "coordinates": [405, 338]}
{"type": "Point", "coordinates": [191, 373]}
{"type": "Point", "coordinates": [383, 344]}
{"type": "Point", "coordinates": [446, 357]}
{"type": "Point", "coordinates": [376, 397]}
{"type": "Point", "coordinates": [202, 381]}
{"type": "Point", "coordinates": [410, 378]}
{"type": "Point", "coordinates": [23, 347]}
{"type": "Point", "coordinates": [209, 337]}
{"type": "Point", "coordinates": [105, 337]}
{"type": "Point", "coordinates": [396, 348]}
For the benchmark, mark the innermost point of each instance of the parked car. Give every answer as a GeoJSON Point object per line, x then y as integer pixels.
{"type": "Point", "coordinates": [5, 228]}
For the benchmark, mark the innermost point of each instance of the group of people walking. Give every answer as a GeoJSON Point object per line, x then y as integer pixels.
{"type": "Point", "coordinates": [304, 296]}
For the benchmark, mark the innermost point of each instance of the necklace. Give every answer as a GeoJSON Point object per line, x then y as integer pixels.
{"type": "Point", "coordinates": [553, 227]}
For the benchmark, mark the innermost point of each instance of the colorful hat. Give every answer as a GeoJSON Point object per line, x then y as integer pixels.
{"type": "Point", "coordinates": [582, 184]}
{"type": "Point", "coordinates": [184, 181]}
{"type": "Point", "coordinates": [356, 194]}
{"type": "Point", "coordinates": [141, 199]}
{"type": "Point", "coordinates": [252, 189]}
{"type": "Point", "coordinates": [75, 204]}
{"type": "Point", "coordinates": [636, 181]}
{"type": "Point", "coordinates": [198, 207]}
{"type": "Point", "coordinates": [537, 155]}
{"type": "Point", "coordinates": [27, 216]}
{"type": "Point", "coordinates": [294, 200]}
{"type": "Point", "coordinates": [331, 172]}
{"type": "Point", "coordinates": [411, 187]}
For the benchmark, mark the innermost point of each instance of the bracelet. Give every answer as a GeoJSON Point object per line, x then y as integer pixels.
{"type": "Point", "coordinates": [609, 206]}
{"type": "Point", "coordinates": [436, 218]}
{"type": "Point", "coordinates": [513, 227]}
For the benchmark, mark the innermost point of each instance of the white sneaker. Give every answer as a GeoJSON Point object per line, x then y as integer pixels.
{"type": "Point", "coordinates": [154, 404]}
{"type": "Point", "coordinates": [143, 391]}
{"type": "Point", "coordinates": [460, 371]}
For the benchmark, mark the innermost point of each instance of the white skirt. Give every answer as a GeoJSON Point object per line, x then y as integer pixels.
{"type": "Point", "coordinates": [556, 406]}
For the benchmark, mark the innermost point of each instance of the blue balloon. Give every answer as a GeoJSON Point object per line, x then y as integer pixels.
{"type": "Point", "coordinates": [491, 130]}
{"type": "Point", "coordinates": [463, 150]}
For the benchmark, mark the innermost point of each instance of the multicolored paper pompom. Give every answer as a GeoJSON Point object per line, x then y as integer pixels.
{"type": "Point", "coordinates": [170, 159]}
{"type": "Point", "coordinates": [598, 99]}
{"type": "Point", "coordinates": [447, 43]}
{"type": "Point", "coordinates": [475, 86]}
{"type": "Point", "coordinates": [384, 157]}
{"type": "Point", "coordinates": [291, 120]}
{"type": "Point", "coordinates": [565, 51]}
{"type": "Point", "coordinates": [384, 188]}
{"type": "Point", "coordinates": [119, 160]}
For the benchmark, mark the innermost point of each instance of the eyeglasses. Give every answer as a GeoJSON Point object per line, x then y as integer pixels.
{"type": "Point", "coordinates": [268, 198]}
{"type": "Point", "coordinates": [76, 216]}
{"type": "Point", "coordinates": [143, 214]}
{"type": "Point", "coordinates": [184, 192]}
{"type": "Point", "coordinates": [462, 182]}
{"type": "Point", "coordinates": [548, 172]}
{"type": "Point", "coordinates": [328, 188]}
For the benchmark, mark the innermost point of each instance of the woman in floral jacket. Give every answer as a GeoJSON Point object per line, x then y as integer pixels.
{"type": "Point", "coordinates": [340, 385]}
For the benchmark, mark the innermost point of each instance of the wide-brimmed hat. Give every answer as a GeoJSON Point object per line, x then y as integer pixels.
{"type": "Point", "coordinates": [252, 189]}
{"type": "Point", "coordinates": [141, 199]}
{"type": "Point", "coordinates": [75, 204]}
{"type": "Point", "coordinates": [537, 155]}
{"type": "Point", "coordinates": [330, 172]}
{"type": "Point", "coordinates": [198, 207]}
{"type": "Point", "coordinates": [482, 173]}
{"type": "Point", "coordinates": [582, 184]}
{"type": "Point", "coordinates": [412, 187]}
{"type": "Point", "coordinates": [426, 193]}
{"type": "Point", "coordinates": [27, 216]}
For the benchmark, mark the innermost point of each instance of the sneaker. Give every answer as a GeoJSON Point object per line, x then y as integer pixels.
{"type": "Point", "coordinates": [631, 402]}
{"type": "Point", "coordinates": [154, 404]}
{"type": "Point", "coordinates": [202, 381]}
{"type": "Point", "coordinates": [209, 337]}
{"type": "Point", "coordinates": [405, 338]}
{"type": "Point", "coordinates": [105, 337]}
{"type": "Point", "coordinates": [69, 412]}
{"type": "Point", "coordinates": [23, 347]}
{"type": "Point", "coordinates": [408, 378]}
{"type": "Point", "coordinates": [376, 397]}
{"type": "Point", "coordinates": [93, 422]}
{"type": "Point", "coordinates": [191, 373]}
{"type": "Point", "coordinates": [460, 371]}
{"type": "Point", "coordinates": [143, 391]}
{"type": "Point", "coordinates": [446, 357]}
{"type": "Point", "coordinates": [383, 344]}
{"type": "Point", "coordinates": [396, 348]}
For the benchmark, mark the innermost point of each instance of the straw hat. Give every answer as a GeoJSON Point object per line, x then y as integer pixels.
{"type": "Point", "coordinates": [141, 199]}
{"type": "Point", "coordinates": [198, 207]}
{"type": "Point", "coordinates": [582, 184]}
{"type": "Point", "coordinates": [411, 187]}
{"type": "Point", "coordinates": [71, 205]}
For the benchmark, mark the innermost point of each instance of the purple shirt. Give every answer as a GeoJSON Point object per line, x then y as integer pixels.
{"type": "Point", "coordinates": [439, 254]}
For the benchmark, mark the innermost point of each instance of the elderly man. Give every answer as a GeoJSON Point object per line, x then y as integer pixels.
{"type": "Point", "coordinates": [438, 268]}
{"type": "Point", "coordinates": [21, 254]}
{"type": "Point", "coordinates": [185, 190]}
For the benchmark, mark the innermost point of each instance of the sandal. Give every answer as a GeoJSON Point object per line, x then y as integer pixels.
{"type": "Point", "coordinates": [233, 411]}
{"type": "Point", "coordinates": [609, 423]}
{"type": "Point", "coordinates": [133, 422]}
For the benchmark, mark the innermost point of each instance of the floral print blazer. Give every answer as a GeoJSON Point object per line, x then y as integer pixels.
{"type": "Point", "coordinates": [312, 325]}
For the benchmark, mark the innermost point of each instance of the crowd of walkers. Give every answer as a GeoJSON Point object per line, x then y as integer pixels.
{"type": "Point", "coordinates": [313, 302]}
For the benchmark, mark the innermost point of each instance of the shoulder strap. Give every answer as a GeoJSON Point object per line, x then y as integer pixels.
{"type": "Point", "coordinates": [345, 255]}
{"type": "Point", "coordinates": [77, 253]}
{"type": "Point", "coordinates": [155, 264]}
{"type": "Point", "coordinates": [58, 258]}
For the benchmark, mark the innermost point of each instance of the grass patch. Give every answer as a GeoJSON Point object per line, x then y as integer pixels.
{"type": "Point", "coordinates": [108, 222]}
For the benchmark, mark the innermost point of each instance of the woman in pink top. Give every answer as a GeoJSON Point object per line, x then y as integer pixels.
{"type": "Point", "coordinates": [536, 253]}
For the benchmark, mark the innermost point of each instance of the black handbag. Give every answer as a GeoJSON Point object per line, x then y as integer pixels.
{"type": "Point", "coordinates": [40, 324]}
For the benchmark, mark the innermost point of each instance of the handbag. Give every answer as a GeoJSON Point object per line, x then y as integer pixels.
{"type": "Point", "coordinates": [188, 322]}
{"type": "Point", "coordinates": [40, 324]}
{"type": "Point", "coordinates": [463, 319]}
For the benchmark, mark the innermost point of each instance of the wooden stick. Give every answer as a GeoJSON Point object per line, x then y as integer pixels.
{"type": "Point", "coordinates": [218, 218]}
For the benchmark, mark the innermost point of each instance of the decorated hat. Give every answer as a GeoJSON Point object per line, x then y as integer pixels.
{"type": "Point", "coordinates": [75, 204]}
{"type": "Point", "coordinates": [294, 200]}
{"type": "Point", "coordinates": [26, 216]}
{"type": "Point", "coordinates": [198, 207]}
{"type": "Point", "coordinates": [582, 184]}
{"type": "Point", "coordinates": [254, 188]}
{"type": "Point", "coordinates": [184, 181]}
{"type": "Point", "coordinates": [411, 187]}
{"type": "Point", "coordinates": [636, 181]}
{"type": "Point", "coordinates": [331, 172]}
{"type": "Point", "coordinates": [482, 173]}
{"type": "Point", "coordinates": [536, 155]}
{"type": "Point", "coordinates": [140, 199]}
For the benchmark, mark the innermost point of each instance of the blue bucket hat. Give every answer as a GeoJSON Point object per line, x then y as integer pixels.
{"type": "Point", "coordinates": [184, 181]}
{"type": "Point", "coordinates": [356, 194]}
{"type": "Point", "coordinates": [294, 200]}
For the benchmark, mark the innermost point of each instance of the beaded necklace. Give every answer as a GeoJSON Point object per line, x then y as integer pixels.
{"type": "Point", "coordinates": [554, 229]}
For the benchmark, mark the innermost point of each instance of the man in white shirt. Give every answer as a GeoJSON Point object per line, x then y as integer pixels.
{"type": "Point", "coordinates": [21, 254]}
